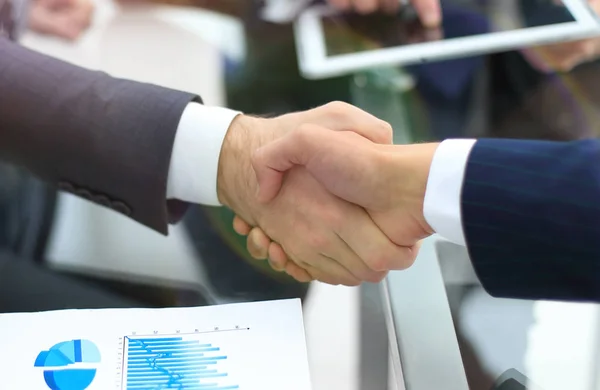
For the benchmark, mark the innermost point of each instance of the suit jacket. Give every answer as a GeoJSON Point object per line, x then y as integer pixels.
{"type": "Point", "coordinates": [104, 139]}
{"type": "Point", "coordinates": [531, 217]}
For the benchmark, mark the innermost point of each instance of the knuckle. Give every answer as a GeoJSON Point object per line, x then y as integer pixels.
{"type": "Point", "coordinates": [337, 105]}
{"type": "Point", "coordinates": [257, 158]}
{"type": "Point", "coordinates": [333, 218]}
{"type": "Point", "coordinates": [303, 133]}
{"type": "Point", "coordinates": [337, 108]}
{"type": "Point", "coordinates": [318, 242]}
{"type": "Point", "coordinates": [387, 132]}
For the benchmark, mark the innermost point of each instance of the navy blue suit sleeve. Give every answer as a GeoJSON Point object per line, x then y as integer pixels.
{"type": "Point", "coordinates": [531, 217]}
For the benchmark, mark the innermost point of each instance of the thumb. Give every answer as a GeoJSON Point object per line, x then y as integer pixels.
{"type": "Point", "coordinates": [429, 12]}
{"type": "Point", "coordinates": [271, 161]}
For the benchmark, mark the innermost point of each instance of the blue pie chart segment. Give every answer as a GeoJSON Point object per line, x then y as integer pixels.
{"type": "Point", "coordinates": [69, 379]}
{"type": "Point", "coordinates": [61, 363]}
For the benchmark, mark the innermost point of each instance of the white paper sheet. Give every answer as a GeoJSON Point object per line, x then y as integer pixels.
{"type": "Point", "coordinates": [249, 346]}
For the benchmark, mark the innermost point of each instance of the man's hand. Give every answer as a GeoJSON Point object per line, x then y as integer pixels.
{"type": "Point", "coordinates": [66, 19]}
{"type": "Point", "coordinates": [563, 57]}
{"type": "Point", "coordinates": [330, 239]}
{"type": "Point", "coordinates": [388, 181]}
{"type": "Point", "coordinates": [429, 10]}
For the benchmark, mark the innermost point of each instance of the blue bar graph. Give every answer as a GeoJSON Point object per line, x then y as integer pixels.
{"type": "Point", "coordinates": [160, 363]}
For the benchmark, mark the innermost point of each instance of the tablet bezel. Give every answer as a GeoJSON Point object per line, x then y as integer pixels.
{"type": "Point", "coordinates": [315, 64]}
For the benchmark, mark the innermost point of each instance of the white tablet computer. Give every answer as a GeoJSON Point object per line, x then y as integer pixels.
{"type": "Point", "coordinates": [331, 44]}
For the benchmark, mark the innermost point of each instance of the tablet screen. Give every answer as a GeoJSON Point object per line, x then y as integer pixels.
{"type": "Point", "coordinates": [351, 33]}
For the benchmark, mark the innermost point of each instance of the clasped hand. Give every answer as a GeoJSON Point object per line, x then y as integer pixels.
{"type": "Point", "coordinates": [334, 200]}
{"type": "Point", "coordinates": [318, 231]}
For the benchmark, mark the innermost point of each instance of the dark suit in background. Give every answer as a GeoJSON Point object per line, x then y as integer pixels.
{"type": "Point", "coordinates": [530, 214]}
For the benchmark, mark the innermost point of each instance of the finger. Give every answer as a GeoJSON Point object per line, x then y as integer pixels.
{"type": "Point", "coordinates": [373, 247]}
{"type": "Point", "coordinates": [241, 227]}
{"type": "Point", "coordinates": [271, 161]}
{"type": "Point", "coordinates": [329, 271]}
{"type": "Point", "coordinates": [278, 256]}
{"type": "Point", "coordinates": [429, 12]}
{"type": "Point", "coordinates": [417, 248]}
{"type": "Point", "coordinates": [355, 264]}
{"type": "Point", "coordinates": [340, 116]}
{"type": "Point", "coordinates": [298, 273]}
{"type": "Point", "coordinates": [258, 244]}
{"type": "Point", "coordinates": [275, 266]}
{"type": "Point", "coordinates": [365, 6]}
{"type": "Point", "coordinates": [317, 264]}
{"type": "Point", "coordinates": [373, 253]}
{"type": "Point", "coordinates": [564, 56]}
{"type": "Point", "coordinates": [433, 34]}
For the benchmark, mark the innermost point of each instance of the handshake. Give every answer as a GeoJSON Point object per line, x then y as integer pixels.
{"type": "Point", "coordinates": [324, 195]}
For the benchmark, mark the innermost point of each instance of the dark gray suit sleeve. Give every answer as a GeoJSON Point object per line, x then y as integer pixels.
{"type": "Point", "coordinates": [104, 139]}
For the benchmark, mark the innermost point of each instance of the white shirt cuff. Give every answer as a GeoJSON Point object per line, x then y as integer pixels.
{"type": "Point", "coordinates": [441, 207]}
{"type": "Point", "coordinates": [196, 150]}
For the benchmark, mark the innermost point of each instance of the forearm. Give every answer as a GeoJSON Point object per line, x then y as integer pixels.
{"type": "Point", "coordinates": [105, 139]}
{"type": "Point", "coordinates": [530, 217]}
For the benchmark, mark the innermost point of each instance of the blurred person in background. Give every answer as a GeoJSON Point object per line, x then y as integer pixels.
{"type": "Point", "coordinates": [66, 19]}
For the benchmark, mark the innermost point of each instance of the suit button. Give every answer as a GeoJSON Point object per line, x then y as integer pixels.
{"type": "Point", "coordinates": [121, 208]}
{"type": "Point", "coordinates": [101, 200]}
{"type": "Point", "coordinates": [64, 186]}
{"type": "Point", "coordinates": [85, 194]}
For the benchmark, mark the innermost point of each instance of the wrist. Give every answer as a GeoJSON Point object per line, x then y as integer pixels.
{"type": "Point", "coordinates": [410, 166]}
{"type": "Point", "coordinates": [235, 180]}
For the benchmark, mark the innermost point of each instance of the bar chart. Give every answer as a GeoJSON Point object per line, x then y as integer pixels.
{"type": "Point", "coordinates": [178, 361]}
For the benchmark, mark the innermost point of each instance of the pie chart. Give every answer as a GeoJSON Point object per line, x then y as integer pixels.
{"type": "Point", "coordinates": [69, 365]}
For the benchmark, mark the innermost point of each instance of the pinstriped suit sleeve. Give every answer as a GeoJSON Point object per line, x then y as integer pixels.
{"type": "Point", "coordinates": [531, 218]}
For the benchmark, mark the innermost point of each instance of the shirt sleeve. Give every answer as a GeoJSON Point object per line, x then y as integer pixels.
{"type": "Point", "coordinates": [441, 208]}
{"type": "Point", "coordinates": [195, 158]}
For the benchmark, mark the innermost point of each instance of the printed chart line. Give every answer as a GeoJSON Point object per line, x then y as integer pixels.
{"type": "Point", "coordinates": [162, 362]}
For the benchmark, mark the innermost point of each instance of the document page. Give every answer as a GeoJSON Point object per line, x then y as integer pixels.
{"type": "Point", "coordinates": [247, 346]}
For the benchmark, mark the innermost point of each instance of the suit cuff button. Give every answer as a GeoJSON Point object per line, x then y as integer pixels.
{"type": "Point", "coordinates": [102, 200]}
{"type": "Point", "coordinates": [65, 186]}
{"type": "Point", "coordinates": [121, 208]}
{"type": "Point", "coordinates": [85, 194]}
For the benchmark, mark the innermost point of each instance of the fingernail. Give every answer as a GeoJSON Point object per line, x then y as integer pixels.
{"type": "Point", "coordinates": [273, 266]}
